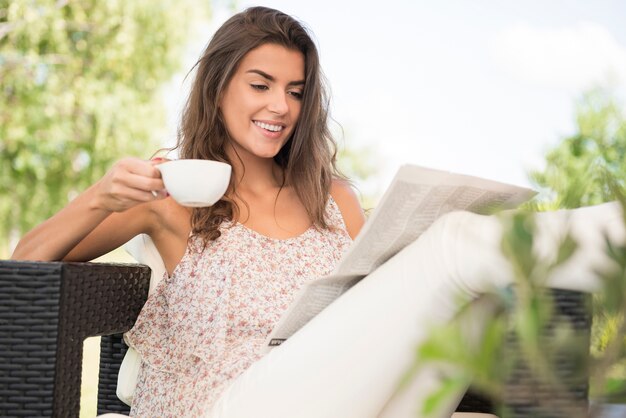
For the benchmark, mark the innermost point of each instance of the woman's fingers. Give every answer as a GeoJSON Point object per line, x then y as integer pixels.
{"type": "Point", "coordinates": [143, 183]}
{"type": "Point", "coordinates": [139, 196]}
{"type": "Point", "coordinates": [130, 182]}
{"type": "Point", "coordinates": [125, 197]}
{"type": "Point", "coordinates": [159, 193]}
{"type": "Point", "coordinates": [140, 167]}
{"type": "Point", "coordinates": [159, 160]}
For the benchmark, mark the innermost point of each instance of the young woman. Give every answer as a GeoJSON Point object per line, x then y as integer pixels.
{"type": "Point", "coordinates": [258, 103]}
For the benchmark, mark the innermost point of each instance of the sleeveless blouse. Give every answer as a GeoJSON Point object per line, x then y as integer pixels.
{"type": "Point", "coordinates": [205, 325]}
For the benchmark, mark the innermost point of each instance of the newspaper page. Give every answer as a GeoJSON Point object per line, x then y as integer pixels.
{"type": "Point", "coordinates": [416, 197]}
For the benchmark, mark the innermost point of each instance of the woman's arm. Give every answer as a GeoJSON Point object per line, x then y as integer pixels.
{"type": "Point", "coordinates": [349, 206]}
{"type": "Point", "coordinates": [105, 216]}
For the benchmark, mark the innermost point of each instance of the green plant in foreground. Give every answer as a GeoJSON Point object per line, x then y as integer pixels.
{"type": "Point", "coordinates": [524, 314]}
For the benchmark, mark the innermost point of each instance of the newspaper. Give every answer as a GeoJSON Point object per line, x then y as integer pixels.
{"type": "Point", "coordinates": [416, 197]}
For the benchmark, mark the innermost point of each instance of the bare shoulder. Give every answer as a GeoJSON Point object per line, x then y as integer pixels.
{"type": "Point", "coordinates": [349, 206]}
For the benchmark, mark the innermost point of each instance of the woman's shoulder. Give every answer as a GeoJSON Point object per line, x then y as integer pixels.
{"type": "Point", "coordinates": [344, 195]}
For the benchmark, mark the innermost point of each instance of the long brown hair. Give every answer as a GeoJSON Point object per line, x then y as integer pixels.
{"type": "Point", "coordinates": [308, 157]}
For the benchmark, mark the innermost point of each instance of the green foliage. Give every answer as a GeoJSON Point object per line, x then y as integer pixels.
{"type": "Point", "coordinates": [532, 315]}
{"type": "Point", "coordinates": [576, 168]}
{"type": "Point", "coordinates": [608, 339]}
{"type": "Point", "coordinates": [522, 313]}
{"type": "Point", "coordinates": [584, 169]}
{"type": "Point", "coordinates": [80, 83]}
{"type": "Point", "coordinates": [460, 356]}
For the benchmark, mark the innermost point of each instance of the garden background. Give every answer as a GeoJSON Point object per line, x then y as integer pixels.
{"type": "Point", "coordinates": [528, 93]}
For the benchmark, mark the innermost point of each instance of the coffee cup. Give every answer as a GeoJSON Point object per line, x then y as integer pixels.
{"type": "Point", "coordinates": [195, 183]}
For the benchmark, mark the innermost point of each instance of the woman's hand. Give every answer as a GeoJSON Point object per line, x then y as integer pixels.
{"type": "Point", "coordinates": [130, 182]}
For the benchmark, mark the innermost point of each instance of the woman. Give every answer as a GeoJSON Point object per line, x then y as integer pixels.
{"type": "Point", "coordinates": [258, 103]}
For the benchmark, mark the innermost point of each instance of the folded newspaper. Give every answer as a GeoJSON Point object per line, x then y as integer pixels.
{"type": "Point", "coordinates": [416, 197]}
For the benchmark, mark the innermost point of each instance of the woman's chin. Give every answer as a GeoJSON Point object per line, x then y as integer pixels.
{"type": "Point", "coordinates": [267, 153]}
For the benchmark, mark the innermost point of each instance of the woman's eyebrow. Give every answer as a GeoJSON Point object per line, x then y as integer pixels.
{"type": "Point", "coordinates": [271, 78]}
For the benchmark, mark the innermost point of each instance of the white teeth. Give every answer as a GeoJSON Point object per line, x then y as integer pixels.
{"type": "Point", "coordinates": [273, 128]}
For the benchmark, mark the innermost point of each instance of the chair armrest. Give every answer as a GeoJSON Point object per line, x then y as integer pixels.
{"type": "Point", "coordinates": [47, 309]}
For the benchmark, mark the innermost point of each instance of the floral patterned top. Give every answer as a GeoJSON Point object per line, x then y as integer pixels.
{"type": "Point", "coordinates": [205, 325]}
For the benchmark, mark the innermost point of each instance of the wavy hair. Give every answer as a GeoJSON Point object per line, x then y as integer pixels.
{"type": "Point", "coordinates": [308, 157]}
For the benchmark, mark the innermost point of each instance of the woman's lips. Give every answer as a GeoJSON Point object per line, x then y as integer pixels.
{"type": "Point", "coordinates": [267, 129]}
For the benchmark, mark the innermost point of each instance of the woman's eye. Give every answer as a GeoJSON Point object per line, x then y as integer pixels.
{"type": "Point", "coordinates": [259, 87]}
{"type": "Point", "coordinates": [296, 94]}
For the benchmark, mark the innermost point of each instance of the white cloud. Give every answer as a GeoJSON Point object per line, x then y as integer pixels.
{"type": "Point", "coordinates": [575, 57]}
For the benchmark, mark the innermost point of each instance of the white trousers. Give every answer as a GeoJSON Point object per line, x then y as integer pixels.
{"type": "Point", "coordinates": [347, 362]}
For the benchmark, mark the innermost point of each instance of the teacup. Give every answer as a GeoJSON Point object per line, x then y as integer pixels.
{"type": "Point", "coordinates": [195, 183]}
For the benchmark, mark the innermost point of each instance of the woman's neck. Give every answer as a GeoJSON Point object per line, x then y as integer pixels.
{"type": "Point", "coordinates": [257, 175]}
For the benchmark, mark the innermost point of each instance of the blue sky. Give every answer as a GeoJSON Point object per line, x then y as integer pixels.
{"type": "Point", "coordinates": [477, 87]}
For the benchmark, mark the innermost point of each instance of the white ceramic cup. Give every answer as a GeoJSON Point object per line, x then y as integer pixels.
{"type": "Point", "coordinates": [195, 183]}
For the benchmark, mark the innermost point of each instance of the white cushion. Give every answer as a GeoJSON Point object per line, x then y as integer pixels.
{"type": "Point", "coordinates": [143, 250]}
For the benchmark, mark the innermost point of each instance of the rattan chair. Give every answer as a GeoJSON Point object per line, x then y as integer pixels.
{"type": "Point", "coordinates": [46, 312]}
{"type": "Point", "coordinates": [47, 309]}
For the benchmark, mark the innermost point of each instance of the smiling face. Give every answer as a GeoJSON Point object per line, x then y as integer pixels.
{"type": "Point", "coordinates": [262, 102]}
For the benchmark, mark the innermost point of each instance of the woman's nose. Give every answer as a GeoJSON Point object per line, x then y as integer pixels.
{"type": "Point", "coordinates": [278, 103]}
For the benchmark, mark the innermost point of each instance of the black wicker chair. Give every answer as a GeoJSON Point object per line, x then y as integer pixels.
{"type": "Point", "coordinates": [46, 312]}
{"type": "Point", "coordinates": [47, 309]}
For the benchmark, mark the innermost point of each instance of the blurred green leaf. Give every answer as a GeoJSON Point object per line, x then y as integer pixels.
{"type": "Point", "coordinates": [449, 387]}
{"type": "Point", "coordinates": [567, 248]}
